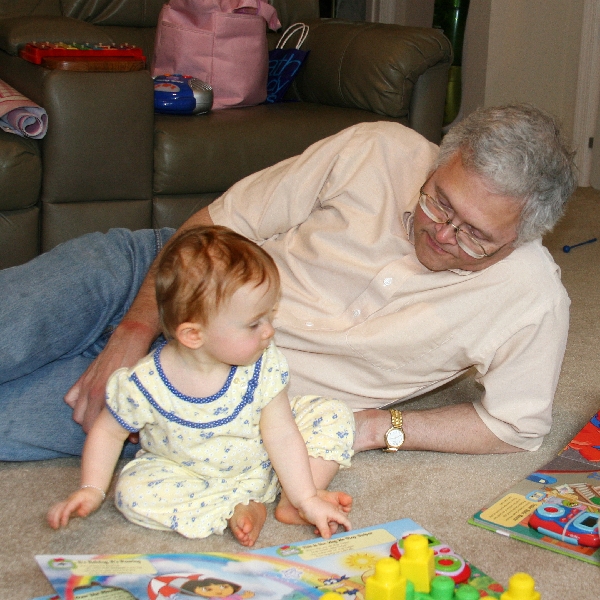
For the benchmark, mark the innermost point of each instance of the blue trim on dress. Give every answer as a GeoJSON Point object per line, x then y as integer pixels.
{"type": "Point", "coordinates": [247, 398]}
{"type": "Point", "coordinates": [181, 396]}
{"type": "Point", "coordinates": [121, 422]}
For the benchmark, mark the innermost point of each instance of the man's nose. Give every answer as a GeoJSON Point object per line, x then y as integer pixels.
{"type": "Point", "coordinates": [446, 232]}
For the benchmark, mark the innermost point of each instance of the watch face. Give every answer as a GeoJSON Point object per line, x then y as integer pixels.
{"type": "Point", "coordinates": [395, 437]}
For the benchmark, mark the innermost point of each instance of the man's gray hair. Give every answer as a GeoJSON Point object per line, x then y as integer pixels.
{"type": "Point", "coordinates": [518, 151]}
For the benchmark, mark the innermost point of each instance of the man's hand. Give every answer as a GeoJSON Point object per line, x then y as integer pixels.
{"type": "Point", "coordinates": [129, 342]}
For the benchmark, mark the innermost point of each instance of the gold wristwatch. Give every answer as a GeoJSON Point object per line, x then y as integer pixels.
{"type": "Point", "coordinates": [394, 436]}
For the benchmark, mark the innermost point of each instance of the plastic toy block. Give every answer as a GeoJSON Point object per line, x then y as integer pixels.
{"type": "Point", "coordinates": [442, 588]}
{"type": "Point", "coordinates": [397, 579]}
{"type": "Point", "coordinates": [387, 583]}
{"type": "Point", "coordinates": [417, 563]}
{"type": "Point", "coordinates": [521, 587]}
{"type": "Point", "coordinates": [331, 596]}
{"type": "Point", "coordinates": [466, 592]}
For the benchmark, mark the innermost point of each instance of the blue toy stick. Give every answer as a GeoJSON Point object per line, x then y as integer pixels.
{"type": "Point", "coordinates": [569, 248]}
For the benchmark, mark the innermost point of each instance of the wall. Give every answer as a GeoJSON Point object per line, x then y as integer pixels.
{"type": "Point", "coordinates": [533, 55]}
{"type": "Point", "coordinates": [529, 51]}
{"type": "Point", "coordinates": [515, 50]}
{"type": "Point", "coordinates": [595, 162]}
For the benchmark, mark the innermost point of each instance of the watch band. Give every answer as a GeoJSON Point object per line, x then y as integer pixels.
{"type": "Point", "coordinates": [395, 432]}
{"type": "Point", "coordinates": [396, 418]}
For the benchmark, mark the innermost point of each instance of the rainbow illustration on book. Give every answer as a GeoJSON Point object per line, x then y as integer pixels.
{"type": "Point", "coordinates": [173, 577]}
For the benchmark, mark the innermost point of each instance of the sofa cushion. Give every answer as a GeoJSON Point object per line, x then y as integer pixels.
{"type": "Point", "coordinates": [19, 238]}
{"type": "Point", "coordinates": [17, 8]}
{"type": "Point", "coordinates": [208, 153]}
{"type": "Point", "coordinates": [370, 66]}
{"type": "Point", "coordinates": [130, 13]}
{"type": "Point", "coordinates": [20, 172]}
{"type": "Point", "coordinates": [294, 11]}
{"type": "Point", "coordinates": [20, 182]}
{"type": "Point", "coordinates": [18, 31]}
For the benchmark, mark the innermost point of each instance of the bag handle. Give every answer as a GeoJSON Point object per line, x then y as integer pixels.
{"type": "Point", "coordinates": [303, 28]}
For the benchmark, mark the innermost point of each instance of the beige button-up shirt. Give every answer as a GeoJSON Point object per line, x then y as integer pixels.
{"type": "Point", "coordinates": [363, 320]}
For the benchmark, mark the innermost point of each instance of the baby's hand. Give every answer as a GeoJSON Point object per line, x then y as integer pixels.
{"type": "Point", "coordinates": [325, 515]}
{"type": "Point", "coordinates": [82, 502]}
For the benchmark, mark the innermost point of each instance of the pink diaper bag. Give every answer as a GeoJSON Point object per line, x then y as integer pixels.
{"type": "Point", "coordinates": [221, 42]}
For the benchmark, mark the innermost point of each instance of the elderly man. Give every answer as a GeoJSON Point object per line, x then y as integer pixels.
{"type": "Point", "coordinates": [403, 265]}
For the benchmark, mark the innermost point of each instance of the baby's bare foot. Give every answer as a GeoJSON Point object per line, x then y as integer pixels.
{"type": "Point", "coordinates": [247, 521]}
{"type": "Point", "coordinates": [287, 513]}
{"type": "Point", "coordinates": [340, 499]}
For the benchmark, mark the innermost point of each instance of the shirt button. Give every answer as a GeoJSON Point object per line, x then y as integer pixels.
{"type": "Point", "coordinates": [387, 281]}
{"type": "Point", "coordinates": [356, 312]}
{"type": "Point", "coordinates": [309, 323]}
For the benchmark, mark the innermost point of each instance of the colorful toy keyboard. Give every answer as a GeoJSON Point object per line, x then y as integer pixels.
{"type": "Point", "coordinates": [36, 52]}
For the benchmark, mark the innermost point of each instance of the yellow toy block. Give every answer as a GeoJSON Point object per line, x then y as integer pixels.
{"type": "Point", "coordinates": [417, 563]}
{"type": "Point", "coordinates": [521, 587]}
{"type": "Point", "coordinates": [387, 583]}
{"type": "Point", "coordinates": [331, 596]}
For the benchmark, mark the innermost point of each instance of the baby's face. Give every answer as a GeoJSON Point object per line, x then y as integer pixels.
{"type": "Point", "coordinates": [242, 328]}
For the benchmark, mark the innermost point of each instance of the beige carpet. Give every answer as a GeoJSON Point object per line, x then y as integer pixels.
{"type": "Point", "coordinates": [439, 491]}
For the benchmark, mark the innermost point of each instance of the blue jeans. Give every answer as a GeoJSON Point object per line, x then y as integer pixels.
{"type": "Point", "coordinates": [56, 315]}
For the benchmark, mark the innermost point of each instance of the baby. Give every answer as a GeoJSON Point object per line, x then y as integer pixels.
{"type": "Point", "coordinates": [217, 430]}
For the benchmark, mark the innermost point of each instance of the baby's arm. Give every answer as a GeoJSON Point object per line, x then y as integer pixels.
{"type": "Point", "coordinates": [287, 451]}
{"type": "Point", "coordinates": [101, 451]}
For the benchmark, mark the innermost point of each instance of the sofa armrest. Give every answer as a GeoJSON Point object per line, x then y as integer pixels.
{"type": "Point", "coordinates": [372, 66]}
{"type": "Point", "coordinates": [99, 143]}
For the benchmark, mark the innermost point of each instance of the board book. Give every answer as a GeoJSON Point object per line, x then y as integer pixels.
{"type": "Point", "coordinates": [351, 557]}
{"type": "Point", "coordinates": [558, 506]}
{"type": "Point", "coordinates": [298, 571]}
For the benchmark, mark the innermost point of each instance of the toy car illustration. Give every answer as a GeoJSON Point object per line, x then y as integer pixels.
{"type": "Point", "coordinates": [569, 524]}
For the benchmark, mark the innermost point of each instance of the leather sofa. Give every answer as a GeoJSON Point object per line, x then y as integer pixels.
{"type": "Point", "coordinates": [108, 161]}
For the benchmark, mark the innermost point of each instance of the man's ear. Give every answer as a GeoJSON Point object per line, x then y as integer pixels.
{"type": "Point", "coordinates": [190, 335]}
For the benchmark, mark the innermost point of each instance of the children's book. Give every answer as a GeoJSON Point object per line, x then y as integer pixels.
{"type": "Point", "coordinates": [299, 571]}
{"type": "Point", "coordinates": [350, 558]}
{"type": "Point", "coordinates": [180, 576]}
{"type": "Point", "coordinates": [558, 506]}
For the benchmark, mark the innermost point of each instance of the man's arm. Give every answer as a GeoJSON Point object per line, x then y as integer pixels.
{"type": "Point", "coordinates": [258, 207]}
{"type": "Point", "coordinates": [129, 342]}
{"type": "Point", "coordinates": [274, 193]}
{"type": "Point", "coordinates": [457, 428]}
{"type": "Point", "coordinates": [276, 200]}
{"type": "Point", "coordinates": [520, 382]}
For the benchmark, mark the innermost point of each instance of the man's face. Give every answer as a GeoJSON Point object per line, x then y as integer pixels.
{"type": "Point", "coordinates": [490, 218]}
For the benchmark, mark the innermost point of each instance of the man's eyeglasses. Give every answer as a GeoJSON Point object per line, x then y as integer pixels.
{"type": "Point", "coordinates": [438, 214]}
